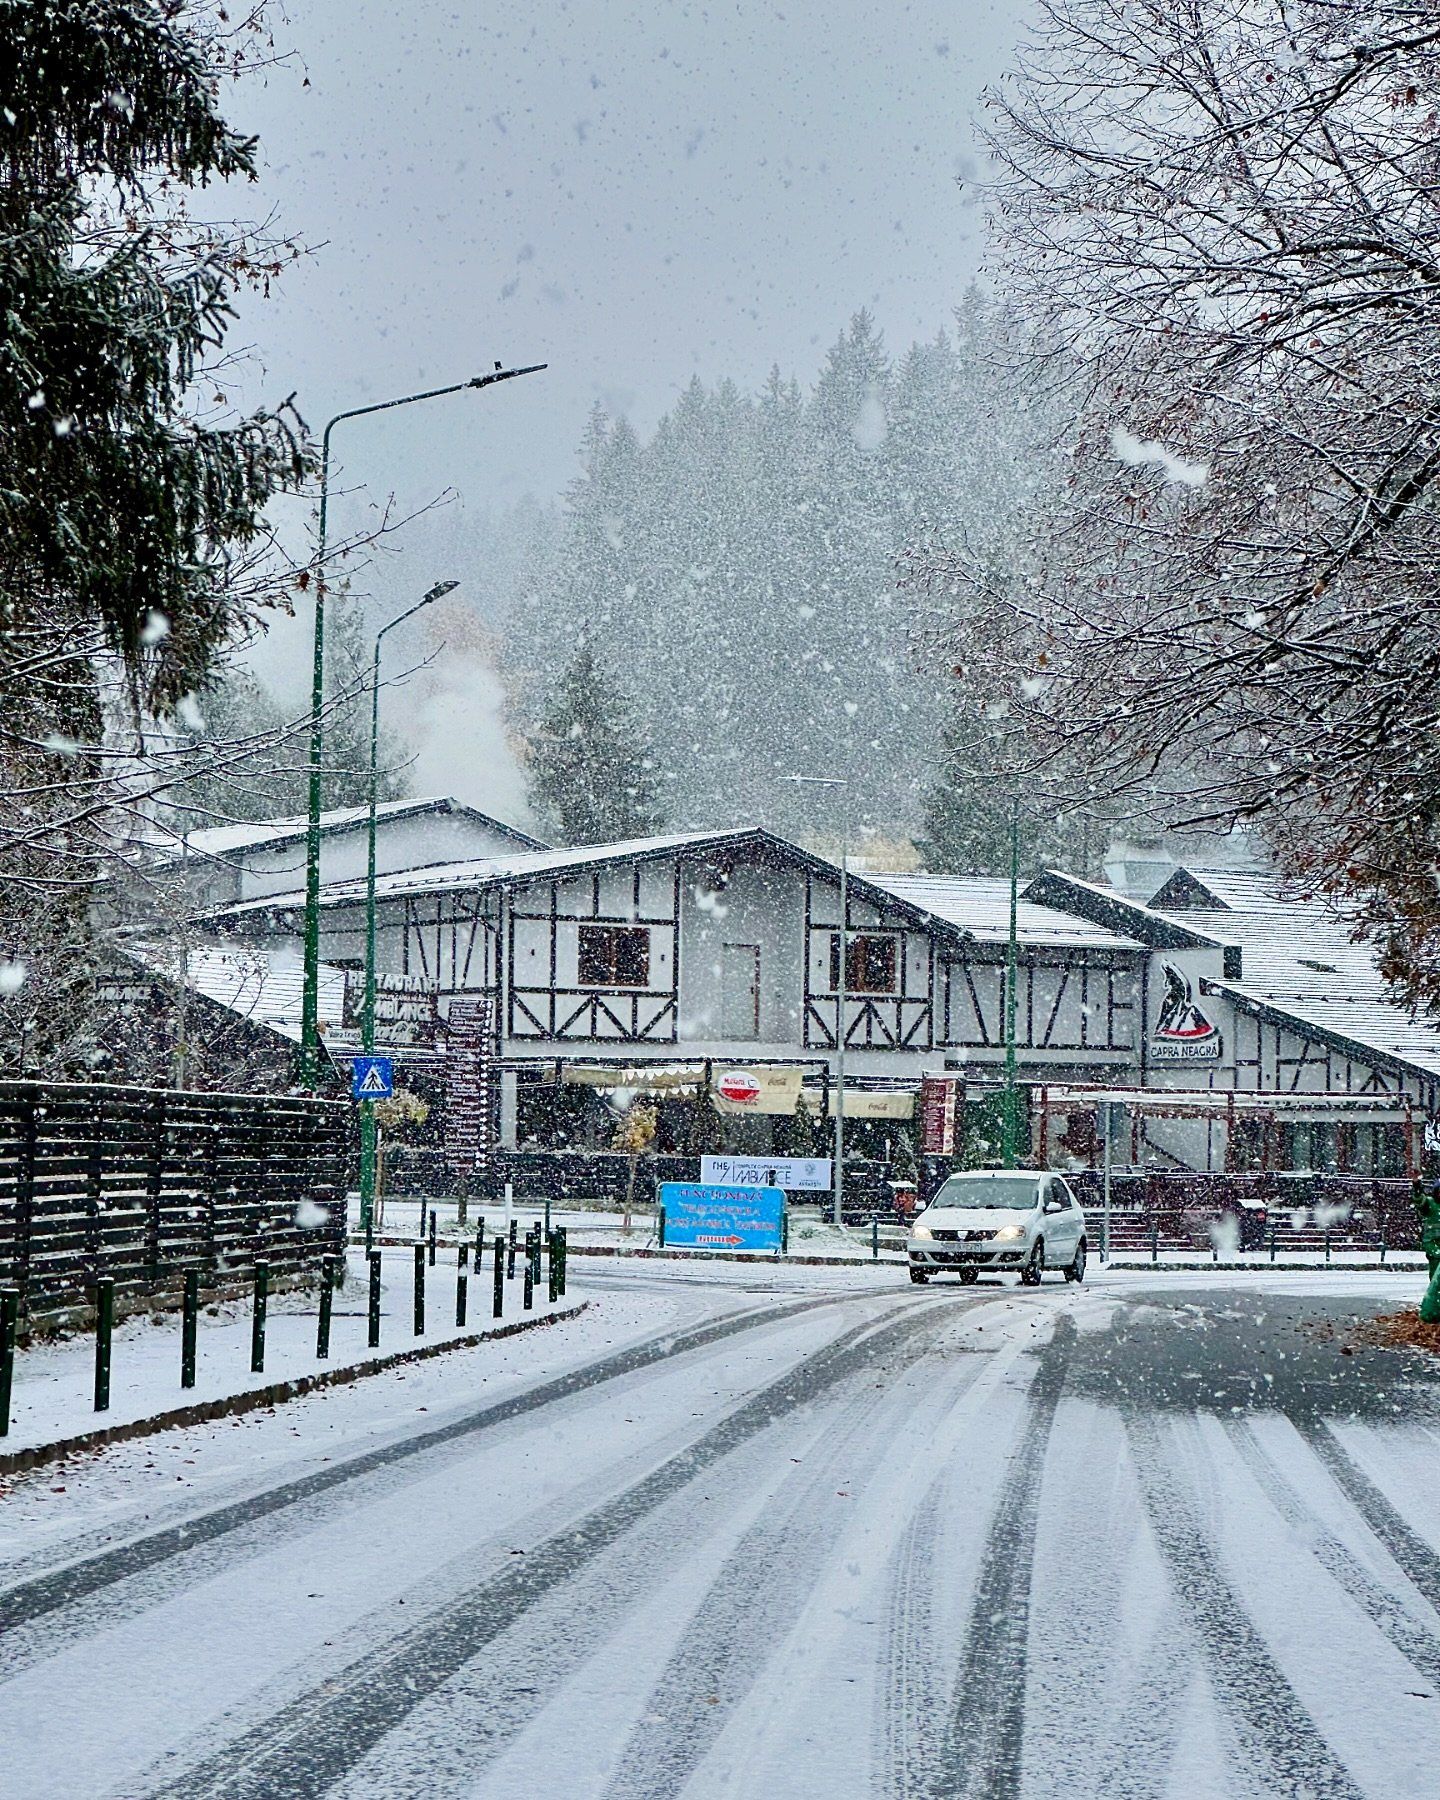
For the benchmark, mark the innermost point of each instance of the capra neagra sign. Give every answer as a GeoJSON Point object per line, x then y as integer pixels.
{"type": "Point", "coordinates": [1184, 1032]}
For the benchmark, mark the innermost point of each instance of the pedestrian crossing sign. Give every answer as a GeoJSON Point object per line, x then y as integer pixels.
{"type": "Point", "coordinates": [372, 1078]}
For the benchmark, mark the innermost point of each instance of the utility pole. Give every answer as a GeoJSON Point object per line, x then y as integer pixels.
{"type": "Point", "coordinates": [367, 1015]}
{"type": "Point", "coordinates": [1010, 1132]}
{"type": "Point", "coordinates": [310, 996]}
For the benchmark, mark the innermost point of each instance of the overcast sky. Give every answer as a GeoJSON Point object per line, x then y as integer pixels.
{"type": "Point", "coordinates": [631, 190]}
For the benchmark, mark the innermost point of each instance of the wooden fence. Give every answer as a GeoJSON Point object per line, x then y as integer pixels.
{"type": "Point", "coordinates": [141, 1183]}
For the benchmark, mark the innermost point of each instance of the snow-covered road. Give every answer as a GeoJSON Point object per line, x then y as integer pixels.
{"type": "Point", "coordinates": [766, 1533]}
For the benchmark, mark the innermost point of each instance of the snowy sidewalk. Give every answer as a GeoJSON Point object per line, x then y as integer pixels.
{"type": "Point", "coordinates": [53, 1396]}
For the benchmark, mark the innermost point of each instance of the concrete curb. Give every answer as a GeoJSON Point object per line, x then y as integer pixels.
{"type": "Point", "coordinates": [200, 1412]}
{"type": "Point", "coordinates": [1239, 1268]}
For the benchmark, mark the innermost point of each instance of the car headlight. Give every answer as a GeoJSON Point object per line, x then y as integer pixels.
{"type": "Point", "coordinates": [1007, 1233]}
{"type": "Point", "coordinates": [921, 1231]}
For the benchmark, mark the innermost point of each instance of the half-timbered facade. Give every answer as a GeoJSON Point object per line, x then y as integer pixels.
{"type": "Point", "coordinates": [724, 949]}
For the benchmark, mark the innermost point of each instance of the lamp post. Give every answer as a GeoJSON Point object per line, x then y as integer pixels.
{"type": "Point", "coordinates": [1010, 1125]}
{"type": "Point", "coordinates": [842, 994]}
{"type": "Point", "coordinates": [367, 1015]}
{"type": "Point", "coordinates": [310, 998]}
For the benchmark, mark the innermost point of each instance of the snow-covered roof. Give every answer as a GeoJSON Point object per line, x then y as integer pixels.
{"type": "Point", "coordinates": [221, 841]}
{"type": "Point", "coordinates": [259, 982]}
{"type": "Point", "coordinates": [1298, 957]}
{"type": "Point", "coordinates": [490, 871]}
{"type": "Point", "coordinates": [1221, 890]}
{"type": "Point", "coordinates": [980, 907]}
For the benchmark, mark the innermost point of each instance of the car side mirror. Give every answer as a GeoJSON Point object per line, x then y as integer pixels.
{"type": "Point", "coordinates": [1054, 1204]}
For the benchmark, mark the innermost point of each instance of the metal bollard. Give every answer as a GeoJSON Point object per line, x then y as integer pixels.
{"type": "Point", "coordinates": [374, 1336]}
{"type": "Point", "coordinates": [552, 1272]}
{"type": "Point", "coordinates": [190, 1319]}
{"type": "Point", "coordinates": [1154, 1243]}
{"type": "Point", "coordinates": [875, 1238]}
{"type": "Point", "coordinates": [529, 1285]}
{"type": "Point", "coordinates": [432, 1237]}
{"type": "Point", "coordinates": [9, 1316]}
{"type": "Point", "coordinates": [660, 1223]}
{"type": "Point", "coordinates": [1272, 1243]}
{"type": "Point", "coordinates": [419, 1290]}
{"type": "Point", "coordinates": [510, 1262]}
{"type": "Point", "coordinates": [104, 1331]}
{"type": "Point", "coordinates": [784, 1230]}
{"type": "Point", "coordinates": [499, 1310]}
{"type": "Point", "coordinates": [327, 1298]}
{"type": "Point", "coordinates": [257, 1318]}
{"type": "Point", "coordinates": [564, 1251]}
{"type": "Point", "coordinates": [535, 1255]}
{"type": "Point", "coordinates": [462, 1285]}
{"type": "Point", "coordinates": [462, 1257]}
{"type": "Point", "coordinates": [547, 1221]}
{"type": "Point", "coordinates": [1383, 1243]}
{"type": "Point", "coordinates": [1327, 1246]}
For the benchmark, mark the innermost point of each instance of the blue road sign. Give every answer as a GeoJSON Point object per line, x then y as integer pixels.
{"type": "Point", "coordinates": [372, 1078]}
{"type": "Point", "coordinates": [722, 1218]}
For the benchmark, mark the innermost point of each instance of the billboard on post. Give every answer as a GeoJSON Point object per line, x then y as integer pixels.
{"type": "Point", "coordinates": [722, 1218]}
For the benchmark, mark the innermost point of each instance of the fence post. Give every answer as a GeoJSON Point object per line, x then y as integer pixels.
{"type": "Point", "coordinates": [660, 1223]}
{"type": "Point", "coordinates": [510, 1259]}
{"type": "Point", "coordinates": [1383, 1239]}
{"type": "Point", "coordinates": [25, 1200]}
{"type": "Point", "coordinates": [154, 1181]}
{"type": "Point", "coordinates": [188, 1325]}
{"type": "Point", "coordinates": [547, 1218]}
{"type": "Point", "coordinates": [499, 1311]}
{"type": "Point", "coordinates": [1154, 1239]}
{"type": "Point", "coordinates": [1327, 1246]}
{"type": "Point", "coordinates": [560, 1231]}
{"type": "Point", "coordinates": [432, 1237]}
{"type": "Point", "coordinates": [875, 1238]}
{"type": "Point", "coordinates": [373, 1259]}
{"type": "Point", "coordinates": [1272, 1240]}
{"type": "Point", "coordinates": [535, 1255]}
{"type": "Point", "coordinates": [419, 1290]}
{"type": "Point", "coordinates": [9, 1314]}
{"type": "Point", "coordinates": [552, 1273]}
{"type": "Point", "coordinates": [104, 1331]}
{"type": "Point", "coordinates": [462, 1257]}
{"type": "Point", "coordinates": [257, 1320]}
{"type": "Point", "coordinates": [327, 1298]}
{"type": "Point", "coordinates": [462, 1285]}
{"type": "Point", "coordinates": [529, 1274]}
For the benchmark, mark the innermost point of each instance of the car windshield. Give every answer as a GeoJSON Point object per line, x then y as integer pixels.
{"type": "Point", "coordinates": [1015, 1191]}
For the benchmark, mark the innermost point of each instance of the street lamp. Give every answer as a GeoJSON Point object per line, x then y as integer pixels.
{"type": "Point", "coordinates": [1010, 1120]}
{"type": "Point", "coordinates": [310, 999]}
{"type": "Point", "coordinates": [367, 1015]}
{"type": "Point", "coordinates": [838, 781]}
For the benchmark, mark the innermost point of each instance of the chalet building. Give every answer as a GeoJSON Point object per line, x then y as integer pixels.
{"type": "Point", "coordinates": [1216, 1026]}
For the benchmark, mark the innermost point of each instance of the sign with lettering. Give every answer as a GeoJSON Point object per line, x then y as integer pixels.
{"type": "Point", "coordinates": [722, 1218]}
{"type": "Point", "coordinates": [789, 1172]}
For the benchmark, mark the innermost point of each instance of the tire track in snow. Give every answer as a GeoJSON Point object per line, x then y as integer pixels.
{"type": "Point", "coordinates": [321, 1735]}
{"type": "Point", "coordinates": [1275, 1726]}
{"type": "Point", "coordinates": [1406, 1546]}
{"type": "Point", "coordinates": [31, 1600]}
{"type": "Point", "coordinates": [1385, 1610]}
{"type": "Point", "coordinates": [979, 1755]}
{"type": "Point", "coordinates": [752, 1605]}
{"type": "Point", "coordinates": [912, 1655]}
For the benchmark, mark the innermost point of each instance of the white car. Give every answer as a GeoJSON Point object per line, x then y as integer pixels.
{"type": "Point", "coordinates": [1023, 1220]}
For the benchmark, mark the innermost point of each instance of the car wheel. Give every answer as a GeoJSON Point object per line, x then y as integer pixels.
{"type": "Point", "coordinates": [969, 1276]}
{"type": "Point", "coordinates": [1035, 1267]}
{"type": "Point", "coordinates": [1076, 1270]}
{"type": "Point", "coordinates": [919, 1276]}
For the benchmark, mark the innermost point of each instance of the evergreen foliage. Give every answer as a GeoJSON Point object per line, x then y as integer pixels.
{"type": "Point", "coordinates": [590, 778]}
{"type": "Point", "coordinates": [740, 566]}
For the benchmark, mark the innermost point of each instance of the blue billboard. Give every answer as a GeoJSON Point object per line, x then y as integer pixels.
{"type": "Point", "coordinates": [722, 1218]}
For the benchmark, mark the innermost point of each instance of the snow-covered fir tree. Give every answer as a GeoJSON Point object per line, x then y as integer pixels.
{"type": "Point", "coordinates": [591, 779]}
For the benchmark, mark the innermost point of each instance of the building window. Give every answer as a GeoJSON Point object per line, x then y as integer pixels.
{"type": "Point", "coordinates": [872, 964]}
{"type": "Point", "coordinates": [614, 956]}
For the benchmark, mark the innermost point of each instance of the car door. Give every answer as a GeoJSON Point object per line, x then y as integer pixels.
{"type": "Point", "coordinates": [1061, 1227]}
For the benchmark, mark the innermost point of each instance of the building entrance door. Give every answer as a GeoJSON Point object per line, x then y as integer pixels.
{"type": "Point", "coordinates": [740, 992]}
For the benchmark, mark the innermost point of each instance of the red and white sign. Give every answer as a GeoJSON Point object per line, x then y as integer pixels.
{"type": "Point", "coordinates": [937, 1115]}
{"type": "Point", "coordinates": [738, 1086]}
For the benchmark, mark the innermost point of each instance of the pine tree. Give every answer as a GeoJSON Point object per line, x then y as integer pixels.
{"type": "Point", "coordinates": [590, 775]}
{"type": "Point", "coordinates": [132, 528]}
